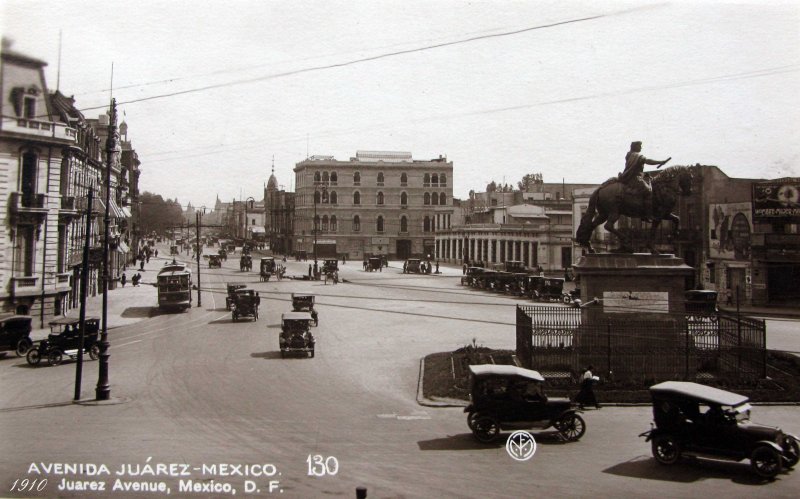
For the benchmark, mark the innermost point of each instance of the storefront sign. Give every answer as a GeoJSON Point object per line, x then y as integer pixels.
{"type": "Point", "coordinates": [776, 200]}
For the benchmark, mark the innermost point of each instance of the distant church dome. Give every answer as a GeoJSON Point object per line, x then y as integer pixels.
{"type": "Point", "coordinates": [272, 183]}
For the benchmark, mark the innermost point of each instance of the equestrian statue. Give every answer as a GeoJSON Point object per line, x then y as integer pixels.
{"type": "Point", "coordinates": [649, 196]}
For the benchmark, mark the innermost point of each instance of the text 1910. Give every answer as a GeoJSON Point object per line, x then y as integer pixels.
{"type": "Point", "coordinates": [26, 485]}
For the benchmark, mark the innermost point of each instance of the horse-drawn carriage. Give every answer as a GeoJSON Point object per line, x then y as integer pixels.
{"type": "Point", "coordinates": [267, 268]}
{"type": "Point", "coordinates": [245, 263]}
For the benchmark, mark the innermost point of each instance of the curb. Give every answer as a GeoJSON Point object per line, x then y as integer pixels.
{"type": "Point", "coordinates": [423, 401]}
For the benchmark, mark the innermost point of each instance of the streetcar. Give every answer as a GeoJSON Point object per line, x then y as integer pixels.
{"type": "Point", "coordinates": [174, 287]}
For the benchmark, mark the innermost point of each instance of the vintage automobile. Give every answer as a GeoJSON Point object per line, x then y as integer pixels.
{"type": "Point", "coordinates": [295, 336]}
{"type": "Point", "coordinates": [515, 266]}
{"type": "Point", "coordinates": [64, 339]}
{"type": "Point", "coordinates": [691, 419]}
{"type": "Point", "coordinates": [504, 397]}
{"type": "Point", "coordinates": [485, 280]}
{"type": "Point", "coordinates": [245, 303]}
{"type": "Point", "coordinates": [412, 266]}
{"type": "Point", "coordinates": [547, 288]}
{"type": "Point", "coordinates": [15, 333]}
{"type": "Point", "coordinates": [214, 261]}
{"type": "Point", "coordinates": [374, 263]}
{"type": "Point", "coordinates": [330, 265]}
{"type": "Point", "coordinates": [471, 274]}
{"type": "Point", "coordinates": [304, 302]}
{"type": "Point", "coordinates": [267, 268]}
{"type": "Point", "coordinates": [173, 250]}
{"type": "Point", "coordinates": [245, 263]}
{"type": "Point", "coordinates": [223, 254]}
{"type": "Point", "coordinates": [701, 303]}
{"type": "Point", "coordinates": [232, 287]}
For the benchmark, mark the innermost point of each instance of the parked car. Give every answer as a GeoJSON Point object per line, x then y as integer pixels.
{"type": "Point", "coordinates": [701, 303]}
{"type": "Point", "coordinates": [330, 265]}
{"type": "Point", "coordinates": [547, 289]}
{"type": "Point", "coordinates": [245, 304]}
{"type": "Point", "coordinates": [471, 274]}
{"type": "Point", "coordinates": [374, 263]}
{"type": "Point", "coordinates": [295, 336]}
{"type": "Point", "coordinates": [507, 397]}
{"type": "Point", "coordinates": [412, 266]}
{"type": "Point", "coordinates": [64, 339]}
{"type": "Point", "coordinates": [691, 419]}
{"type": "Point", "coordinates": [232, 287]}
{"type": "Point", "coordinates": [15, 333]}
{"type": "Point", "coordinates": [304, 302]}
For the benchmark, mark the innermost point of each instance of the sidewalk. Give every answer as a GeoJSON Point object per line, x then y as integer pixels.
{"type": "Point", "coordinates": [126, 305]}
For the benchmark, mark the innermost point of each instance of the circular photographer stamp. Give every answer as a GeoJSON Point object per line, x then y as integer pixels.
{"type": "Point", "coordinates": [521, 445]}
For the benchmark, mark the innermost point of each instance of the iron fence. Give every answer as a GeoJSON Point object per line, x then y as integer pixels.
{"type": "Point", "coordinates": [630, 347]}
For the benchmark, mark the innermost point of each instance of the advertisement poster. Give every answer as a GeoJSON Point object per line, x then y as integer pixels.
{"type": "Point", "coordinates": [730, 226]}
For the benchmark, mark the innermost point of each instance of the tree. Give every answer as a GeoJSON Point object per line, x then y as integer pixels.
{"type": "Point", "coordinates": [529, 181]}
{"type": "Point", "coordinates": [157, 215]}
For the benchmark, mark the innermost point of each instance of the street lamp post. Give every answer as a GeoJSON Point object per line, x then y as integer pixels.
{"type": "Point", "coordinates": [324, 191]}
{"type": "Point", "coordinates": [247, 220]}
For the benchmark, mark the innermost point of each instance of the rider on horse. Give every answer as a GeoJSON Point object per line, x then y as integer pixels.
{"type": "Point", "coordinates": [633, 177]}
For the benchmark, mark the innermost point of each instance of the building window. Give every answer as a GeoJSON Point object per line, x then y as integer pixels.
{"type": "Point", "coordinates": [333, 223]}
{"type": "Point", "coordinates": [356, 223]}
{"type": "Point", "coordinates": [334, 178]}
{"type": "Point", "coordinates": [403, 224]}
{"type": "Point", "coordinates": [30, 107]}
{"type": "Point", "coordinates": [25, 250]}
{"type": "Point", "coordinates": [317, 177]}
{"type": "Point", "coordinates": [356, 197]}
{"type": "Point", "coordinates": [380, 179]}
{"type": "Point", "coordinates": [29, 176]}
{"type": "Point", "coordinates": [434, 199]}
{"type": "Point", "coordinates": [334, 198]}
{"type": "Point", "coordinates": [380, 197]}
{"type": "Point", "coordinates": [403, 179]}
{"type": "Point", "coordinates": [426, 199]}
{"type": "Point", "coordinates": [426, 180]}
{"type": "Point", "coordinates": [442, 180]}
{"type": "Point", "coordinates": [325, 223]}
{"type": "Point", "coordinates": [253, 221]}
{"type": "Point", "coordinates": [426, 224]}
{"type": "Point", "coordinates": [317, 197]}
{"type": "Point", "coordinates": [403, 199]}
{"type": "Point", "coordinates": [442, 199]}
{"type": "Point", "coordinates": [324, 177]}
{"type": "Point", "coordinates": [356, 178]}
{"type": "Point", "coordinates": [379, 224]}
{"type": "Point", "coordinates": [435, 180]}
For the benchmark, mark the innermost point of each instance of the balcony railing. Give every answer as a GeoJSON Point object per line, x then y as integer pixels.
{"type": "Point", "coordinates": [62, 280]}
{"type": "Point", "coordinates": [26, 201]}
{"type": "Point", "coordinates": [24, 284]}
{"type": "Point", "coordinates": [39, 128]}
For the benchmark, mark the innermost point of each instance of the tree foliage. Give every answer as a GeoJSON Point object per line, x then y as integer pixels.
{"type": "Point", "coordinates": [158, 215]}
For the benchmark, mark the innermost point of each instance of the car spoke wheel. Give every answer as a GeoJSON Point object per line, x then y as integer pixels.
{"type": "Point", "coordinates": [471, 419]}
{"type": "Point", "coordinates": [485, 429]}
{"type": "Point", "coordinates": [766, 461]}
{"type": "Point", "coordinates": [33, 357]}
{"type": "Point", "coordinates": [791, 451]}
{"type": "Point", "coordinates": [23, 346]}
{"type": "Point", "coordinates": [666, 449]}
{"type": "Point", "coordinates": [54, 358]}
{"type": "Point", "coordinates": [94, 352]}
{"type": "Point", "coordinates": [571, 426]}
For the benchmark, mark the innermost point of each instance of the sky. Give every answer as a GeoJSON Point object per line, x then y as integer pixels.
{"type": "Point", "coordinates": [214, 91]}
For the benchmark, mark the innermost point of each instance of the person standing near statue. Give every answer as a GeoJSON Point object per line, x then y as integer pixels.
{"type": "Point", "coordinates": [633, 177]}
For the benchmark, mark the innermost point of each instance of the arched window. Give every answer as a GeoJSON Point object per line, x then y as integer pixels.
{"type": "Point", "coordinates": [334, 198]}
{"type": "Point", "coordinates": [324, 177]}
{"type": "Point", "coordinates": [442, 180]}
{"type": "Point", "coordinates": [403, 179]}
{"type": "Point", "coordinates": [325, 197]}
{"type": "Point", "coordinates": [317, 178]}
{"type": "Point", "coordinates": [379, 224]}
{"type": "Point", "coordinates": [317, 197]}
{"type": "Point", "coordinates": [333, 223]}
{"type": "Point", "coordinates": [442, 198]}
{"type": "Point", "coordinates": [325, 223]}
{"type": "Point", "coordinates": [434, 180]}
{"type": "Point", "coordinates": [356, 223]}
{"type": "Point", "coordinates": [334, 178]}
{"type": "Point", "coordinates": [403, 199]}
{"type": "Point", "coordinates": [356, 197]}
{"type": "Point", "coordinates": [426, 180]}
{"type": "Point", "coordinates": [356, 178]}
{"type": "Point", "coordinates": [316, 223]}
{"type": "Point", "coordinates": [426, 224]}
{"type": "Point", "coordinates": [426, 198]}
{"type": "Point", "coordinates": [403, 224]}
{"type": "Point", "coordinates": [380, 178]}
{"type": "Point", "coordinates": [434, 198]}
{"type": "Point", "coordinates": [380, 197]}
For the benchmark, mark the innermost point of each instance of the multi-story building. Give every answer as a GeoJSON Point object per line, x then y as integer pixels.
{"type": "Point", "coordinates": [279, 217]}
{"type": "Point", "coordinates": [379, 203]}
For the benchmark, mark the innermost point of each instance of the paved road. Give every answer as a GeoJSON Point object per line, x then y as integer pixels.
{"type": "Point", "coordinates": [196, 388]}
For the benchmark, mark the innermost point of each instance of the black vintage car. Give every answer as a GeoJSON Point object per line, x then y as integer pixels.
{"type": "Point", "coordinates": [691, 419]}
{"type": "Point", "coordinates": [470, 275]}
{"type": "Point", "coordinates": [374, 263]}
{"type": "Point", "coordinates": [304, 302]}
{"type": "Point", "coordinates": [266, 268]}
{"type": "Point", "coordinates": [173, 250]}
{"type": "Point", "coordinates": [547, 288]}
{"type": "Point", "coordinates": [64, 339]}
{"type": "Point", "coordinates": [412, 266]}
{"type": "Point", "coordinates": [511, 398]}
{"type": "Point", "coordinates": [15, 334]}
{"type": "Point", "coordinates": [295, 336]}
{"type": "Point", "coordinates": [214, 261]}
{"type": "Point", "coordinates": [701, 303]}
{"type": "Point", "coordinates": [232, 287]}
{"type": "Point", "coordinates": [245, 303]}
{"type": "Point", "coordinates": [330, 265]}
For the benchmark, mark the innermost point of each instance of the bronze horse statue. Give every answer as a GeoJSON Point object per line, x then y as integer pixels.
{"type": "Point", "coordinates": [612, 200]}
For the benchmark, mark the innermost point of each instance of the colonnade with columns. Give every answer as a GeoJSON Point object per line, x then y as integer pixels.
{"type": "Point", "coordinates": [489, 249]}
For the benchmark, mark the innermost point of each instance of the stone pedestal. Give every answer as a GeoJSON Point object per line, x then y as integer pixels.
{"type": "Point", "coordinates": [631, 286]}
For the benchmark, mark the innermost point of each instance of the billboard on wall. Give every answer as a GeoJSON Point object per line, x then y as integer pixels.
{"type": "Point", "coordinates": [779, 199]}
{"type": "Point", "coordinates": [729, 230]}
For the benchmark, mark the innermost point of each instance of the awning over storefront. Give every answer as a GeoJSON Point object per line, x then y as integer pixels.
{"type": "Point", "coordinates": [125, 212]}
{"type": "Point", "coordinates": [122, 247]}
{"type": "Point", "coordinates": [257, 230]}
{"type": "Point", "coordinates": [115, 211]}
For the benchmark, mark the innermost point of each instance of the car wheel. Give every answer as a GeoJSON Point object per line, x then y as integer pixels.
{"type": "Point", "coordinates": [666, 449]}
{"type": "Point", "coordinates": [485, 429]}
{"type": "Point", "coordinates": [765, 461]}
{"type": "Point", "coordinates": [94, 352]}
{"type": "Point", "coordinates": [471, 420]}
{"type": "Point", "coordinates": [235, 317]}
{"type": "Point", "coordinates": [55, 357]}
{"type": "Point", "coordinates": [791, 451]}
{"type": "Point", "coordinates": [567, 299]}
{"type": "Point", "coordinates": [33, 357]}
{"type": "Point", "coordinates": [23, 345]}
{"type": "Point", "coordinates": [571, 426]}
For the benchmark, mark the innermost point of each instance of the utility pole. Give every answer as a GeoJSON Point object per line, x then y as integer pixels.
{"type": "Point", "coordinates": [84, 283]}
{"type": "Point", "coordinates": [198, 257]}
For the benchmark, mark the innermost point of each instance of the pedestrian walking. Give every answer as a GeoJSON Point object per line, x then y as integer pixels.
{"type": "Point", "coordinates": [123, 279]}
{"type": "Point", "coordinates": [309, 271]}
{"type": "Point", "coordinates": [336, 277]}
{"type": "Point", "coordinates": [141, 265]}
{"type": "Point", "coordinates": [437, 266]}
{"type": "Point", "coordinates": [586, 395]}
{"type": "Point", "coordinates": [156, 253]}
